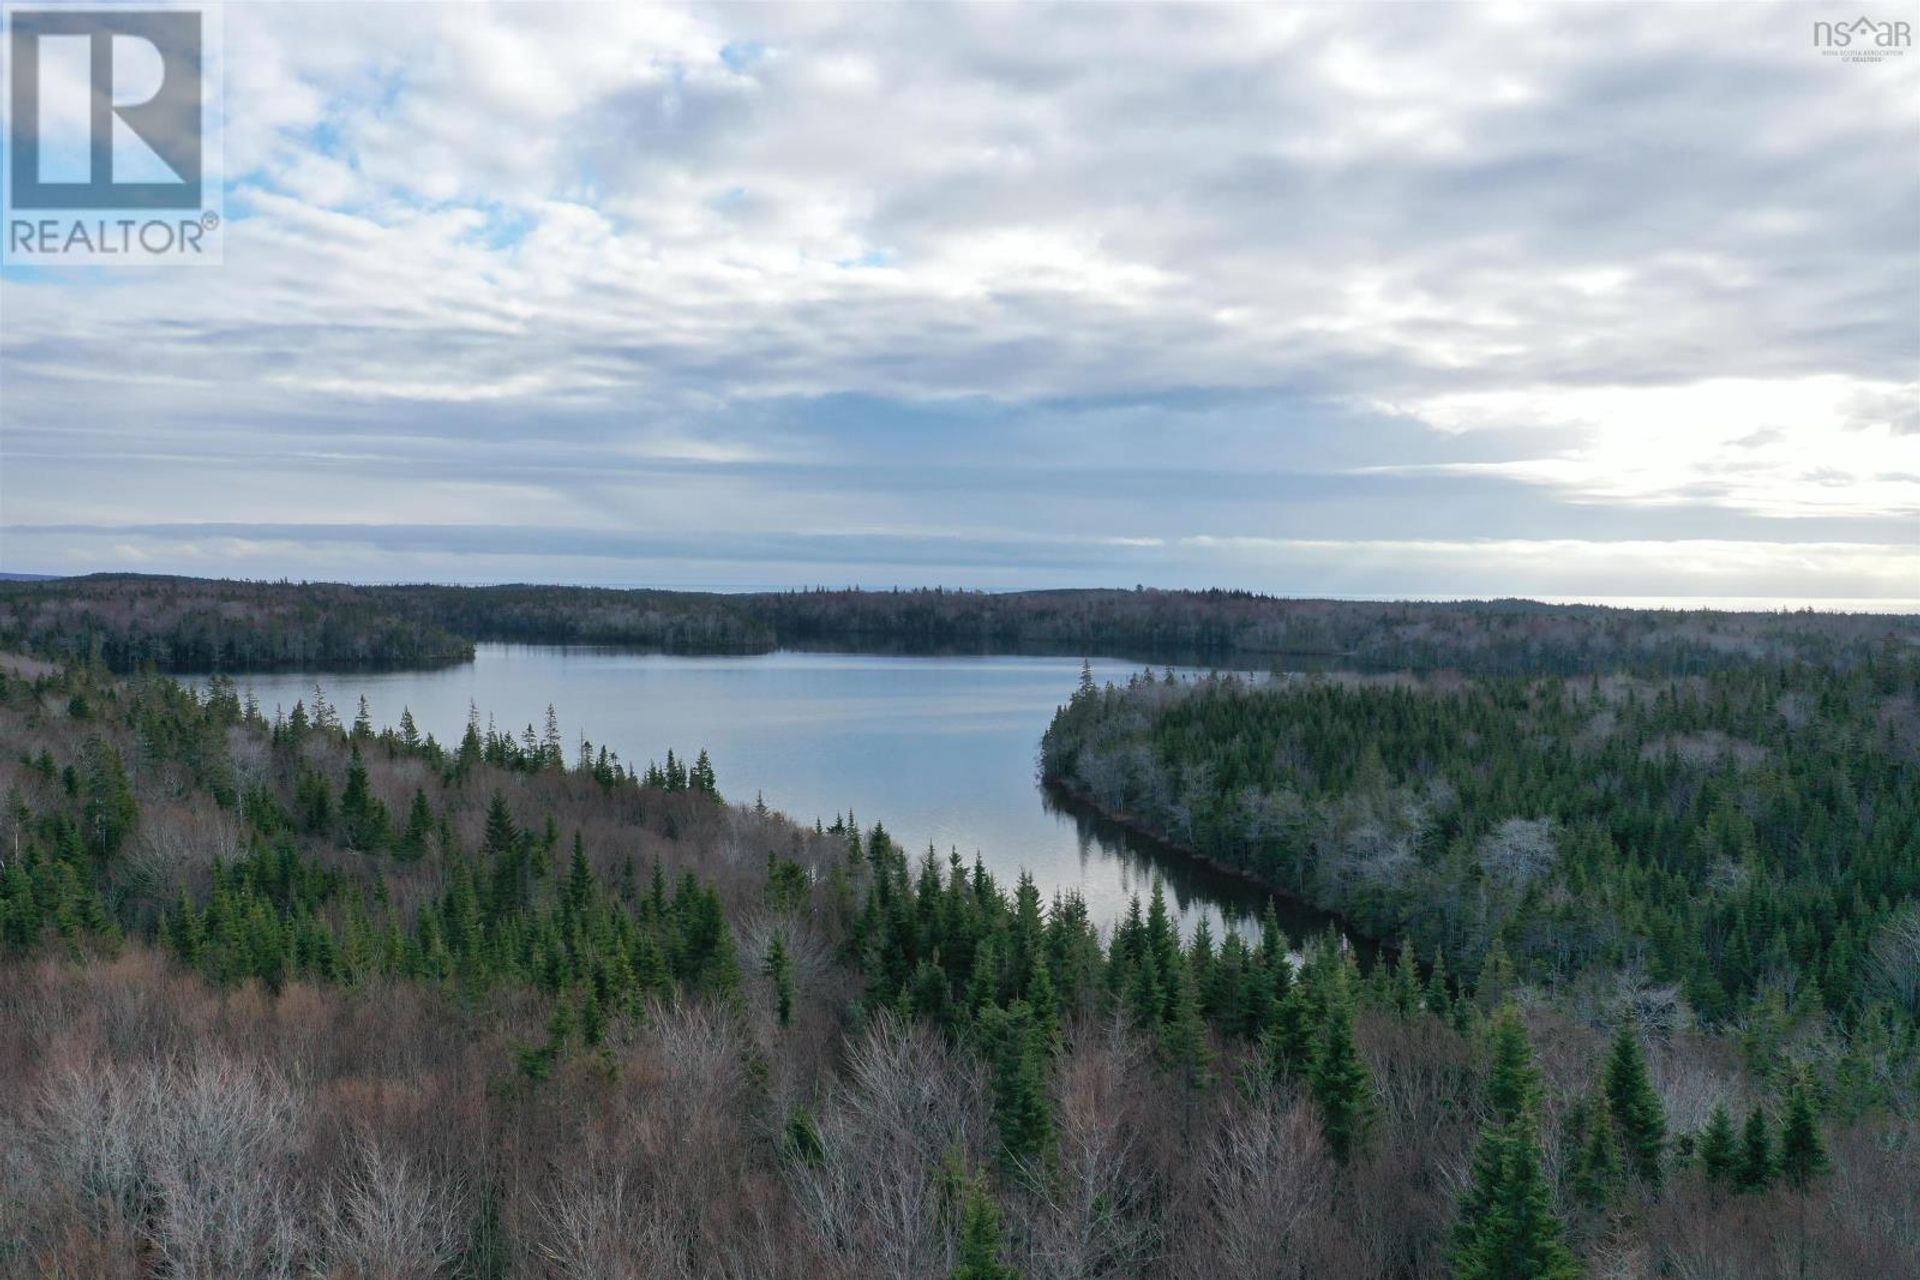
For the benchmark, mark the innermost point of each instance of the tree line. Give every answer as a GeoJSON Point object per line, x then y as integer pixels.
{"type": "Point", "coordinates": [129, 622]}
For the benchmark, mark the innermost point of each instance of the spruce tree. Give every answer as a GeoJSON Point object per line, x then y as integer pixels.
{"type": "Point", "coordinates": [108, 806]}
{"type": "Point", "coordinates": [419, 832]}
{"type": "Point", "coordinates": [361, 813]}
{"type": "Point", "coordinates": [980, 1239]}
{"type": "Point", "coordinates": [1513, 1082]}
{"type": "Point", "coordinates": [779, 967]}
{"type": "Point", "coordinates": [1020, 1102]}
{"type": "Point", "coordinates": [1803, 1151]}
{"type": "Point", "coordinates": [1406, 981]}
{"type": "Point", "coordinates": [1636, 1107]}
{"type": "Point", "coordinates": [1597, 1171]}
{"type": "Point", "coordinates": [1439, 999]}
{"type": "Point", "coordinates": [1506, 1228]}
{"type": "Point", "coordinates": [1183, 1037]}
{"type": "Point", "coordinates": [1719, 1148]}
{"type": "Point", "coordinates": [1341, 1085]}
{"type": "Point", "coordinates": [502, 835]}
{"type": "Point", "coordinates": [1755, 1170]}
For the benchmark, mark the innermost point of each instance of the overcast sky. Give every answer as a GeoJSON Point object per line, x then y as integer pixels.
{"type": "Point", "coordinates": [1589, 301]}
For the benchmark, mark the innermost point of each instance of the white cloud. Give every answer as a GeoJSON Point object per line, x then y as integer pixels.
{"type": "Point", "coordinates": [1819, 445]}
{"type": "Point", "coordinates": [1641, 261]}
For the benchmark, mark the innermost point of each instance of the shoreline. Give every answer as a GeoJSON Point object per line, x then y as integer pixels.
{"type": "Point", "coordinates": [1059, 789]}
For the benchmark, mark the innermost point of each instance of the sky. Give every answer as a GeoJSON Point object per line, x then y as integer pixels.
{"type": "Point", "coordinates": [1564, 300]}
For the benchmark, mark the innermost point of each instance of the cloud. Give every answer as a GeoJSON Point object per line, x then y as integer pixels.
{"type": "Point", "coordinates": [1432, 275]}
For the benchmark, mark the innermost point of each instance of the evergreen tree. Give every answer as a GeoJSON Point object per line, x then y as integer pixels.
{"type": "Point", "coordinates": [1439, 999]}
{"type": "Point", "coordinates": [1406, 981]}
{"type": "Point", "coordinates": [701, 777]}
{"type": "Point", "coordinates": [1506, 1228]}
{"type": "Point", "coordinates": [1021, 1105]}
{"type": "Point", "coordinates": [1513, 1082]}
{"type": "Point", "coordinates": [1755, 1170]}
{"type": "Point", "coordinates": [109, 808]}
{"type": "Point", "coordinates": [1719, 1148]}
{"type": "Point", "coordinates": [362, 816]}
{"type": "Point", "coordinates": [1803, 1151]}
{"type": "Point", "coordinates": [419, 832]}
{"type": "Point", "coordinates": [1596, 1160]}
{"type": "Point", "coordinates": [779, 967]}
{"type": "Point", "coordinates": [1495, 979]}
{"type": "Point", "coordinates": [1636, 1107]}
{"type": "Point", "coordinates": [1183, 1037]}
{"type": "Point", "coordinates": [502, 836]}
{"type": "Point", "coordinates": [1341, 1085]}
{"type": "Point", "coordinates": [980, 1239]}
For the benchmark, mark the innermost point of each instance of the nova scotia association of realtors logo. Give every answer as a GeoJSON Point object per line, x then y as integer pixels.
{"type": "Point", "coordinates": [1863, 39]}
{"type": "Point", "coordinates": [112, 141]}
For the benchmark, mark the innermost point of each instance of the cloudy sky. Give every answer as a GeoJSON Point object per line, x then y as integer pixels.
{"type": "Point", "coordinates": [1557, 300]}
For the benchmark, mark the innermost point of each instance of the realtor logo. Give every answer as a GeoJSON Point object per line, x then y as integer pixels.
{"type": "Point", "coordinates": [1863, 39]}
{"type": "Point", "coordinates": [108, 112]}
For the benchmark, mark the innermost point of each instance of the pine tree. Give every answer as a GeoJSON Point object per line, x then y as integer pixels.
{"type": "Point", "coordinates": [1719, 1149]}
{"type": "Point", "coordinates": [1636, 1107]}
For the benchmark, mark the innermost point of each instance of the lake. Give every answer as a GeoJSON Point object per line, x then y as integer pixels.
{"type": "Point", "coordinates": [941, 750]}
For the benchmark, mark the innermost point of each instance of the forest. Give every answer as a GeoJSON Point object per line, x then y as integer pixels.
{"type": "Point", "coordinates": [130, 622]}
{"type": "Point", "coordinates": [312, 996]}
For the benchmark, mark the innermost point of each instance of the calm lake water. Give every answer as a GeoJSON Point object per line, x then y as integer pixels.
{"type": "Point", "coordinates": [942, 750]}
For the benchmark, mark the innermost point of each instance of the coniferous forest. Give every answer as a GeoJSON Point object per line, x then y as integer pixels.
{"type": "Point", "coordinates": [313, 996]}
{"type": "Point", "coordinates": [132, 621]}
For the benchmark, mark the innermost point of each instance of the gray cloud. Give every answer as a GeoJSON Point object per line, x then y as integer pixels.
{"type": "Point", "coordinates": [1019, 277]}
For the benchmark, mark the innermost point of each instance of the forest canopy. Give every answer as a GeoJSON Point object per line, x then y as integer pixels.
{"type": "Point", "coordinates": [129, 622]}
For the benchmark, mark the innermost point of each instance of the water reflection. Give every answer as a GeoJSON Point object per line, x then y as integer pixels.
{"type": "Point", "coordinates": [1189, 884]}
